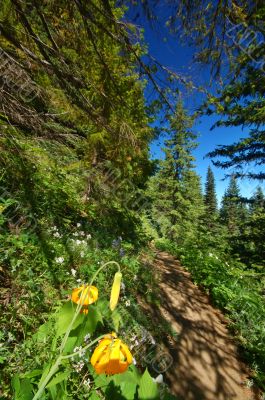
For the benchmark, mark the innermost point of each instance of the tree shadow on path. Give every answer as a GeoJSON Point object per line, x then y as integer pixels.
{"type": "Point", "coordinates": [206, 363]}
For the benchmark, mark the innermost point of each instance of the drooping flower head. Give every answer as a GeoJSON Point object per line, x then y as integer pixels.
{"type": "Point", "coordinates": [111, 356]}
{"type": "Point", "coordinates": [85, 295]}
{"type": "Point", "coordinates": [115, 291]}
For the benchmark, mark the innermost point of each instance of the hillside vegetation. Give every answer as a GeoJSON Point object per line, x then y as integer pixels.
{"type": "Point", "coordinates": [82, 203]}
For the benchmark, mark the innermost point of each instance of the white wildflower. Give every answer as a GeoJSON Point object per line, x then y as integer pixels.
{"type": "Point", "coordinates": [87, 383]}
{"type": "Point", "coordinates": [127, 303]}
{"type": "Point", "coordinates": [56, 234]}
{"type": "Point", "coordinates": [87, 337]}
{"type": "Point", "coordinates": [82, 233]}
{"type": "Point", "coordinates": [82, 254]}
{"type": "Point", "coordinates": [78, 367]}
{"type": "Point", "coordinates": [73, 272]}
{"type": "Point", "coordinates": [78, 225]}
{"type": "Point", "coordinates": [159, 379]}
{"type": "Point", "coordinates": [75, 234]}
{"type": "Point", "coordinates": [80, 351]}
{"type": "Point", "coordinates": [59, 260]}
{"type": "Point", "coordinates": [152, 340]}
{"type": "Point", "coordinates": [88, 236]}
{"type": "Point", "coordinates": [78, 242]}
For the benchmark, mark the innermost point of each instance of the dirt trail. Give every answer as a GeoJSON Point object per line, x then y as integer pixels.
{"type": "Point", "coordinates": [206, 364]}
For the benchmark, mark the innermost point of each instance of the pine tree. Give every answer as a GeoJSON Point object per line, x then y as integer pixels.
{"type": "Point", "coordinates": [256, 225]}
{"type": "Point", "coordinates": [210, 198]}
{"type": "Point", "coordinates": [233, 211]}
{"type": "Point", "coordinates": [176, 189]}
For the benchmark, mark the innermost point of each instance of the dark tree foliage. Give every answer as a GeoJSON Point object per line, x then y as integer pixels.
{"type": "Point", "coordinates": [233, 210]}
{"type": "Point", "coordinates": [210, 199]}
{"type": "Point", "coordinates": [229, 37]}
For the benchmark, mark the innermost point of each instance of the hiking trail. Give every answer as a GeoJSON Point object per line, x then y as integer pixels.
{"type": "Point", "coordinates": [206, 363]}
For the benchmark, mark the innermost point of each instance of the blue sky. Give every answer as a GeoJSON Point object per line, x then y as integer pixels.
{"type": "Point", "coordinates": [179, 58]}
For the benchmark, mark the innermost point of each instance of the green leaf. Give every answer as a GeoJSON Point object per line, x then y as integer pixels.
{"type": "Point", "coordinates": [22, 388]}
{"type": "Point", "coordinates": [64, 317]}
{"type": "Point", "coordinates": [70, 344]}
{"type": "Point", "coordinates": [127, 382]}
{"type": "Point", "coordinates": [94, 396]}
{"type": "Point", "coordinates": [43, 332]}
{"type": "Point", "coordinates": [58, 378]}
{"type": "Point", "coordinates": [46, 370]}
{"type": "Point", "coordinates": [102, 382]}
{"type": "Point", "coordinates": [33, 373]}
{"type": "Point", "coordinates": [89, 325]}
{"type": "Point", "coordinates": [148, 389]}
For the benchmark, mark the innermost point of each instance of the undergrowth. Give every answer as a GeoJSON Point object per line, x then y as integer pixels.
{"type": "Point", "coordinates": [236, 290]}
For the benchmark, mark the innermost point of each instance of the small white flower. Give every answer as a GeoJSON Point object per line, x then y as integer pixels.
{"type": "Point", "coordinates": [159, 379]}
{"type": "Point", "coordinates": [75, 234]}
{"type": "Point", "coordinates": [135, 278]}
{"type": "Point", "coordinates": [78, 242]}
{"type": "Point", "coordinates": [73, 272]}
{"type": "Point", "coordinates": [78, 225]}
{"type": "Point", "coordinates": [79, 280]}
{"type": "Point", "coordinates": [88, 236]}
{"type": "Point", "coordinates": [78, 367]}
{"type": "Point", "coordinates": [127, 303]}
{"type": "Point", "coordinates": [82, 233]}
{"type": "Point", "coordinates": [56, 234]}
{"type": "Point", "coordinates": [59, 260]}
{"type": "Point", "coordinates": [87, 383]}
{"type": "Point", "coordinates": [152, 340]}
{"type": "Point", "coordinates": [87, 337]}
{"type": "Point", "coordinates": [123, 286]}
{"type": "Point", "coordinates": [133, 338]}
{"type": "Point", "coordinates": [82, 254]}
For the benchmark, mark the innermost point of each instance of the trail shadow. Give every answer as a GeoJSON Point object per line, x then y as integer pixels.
{"type": "Point", "coordinates": [206, 363]}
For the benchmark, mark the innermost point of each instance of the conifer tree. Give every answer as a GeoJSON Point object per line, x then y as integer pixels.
{"type": "Point", "coordinates": [210, 198]}
{"type": "Point", "coordinates": [233, 211]}
{"type": "Point", "coordinates": [175, 189]}
{"type": "Point", "coordinates": [256, 225]}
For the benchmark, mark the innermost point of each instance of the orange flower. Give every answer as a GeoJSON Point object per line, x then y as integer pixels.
{"type": "Point", "coordinates": [85, 295]}
{"type": "Point", "coordinates": [111, 356]}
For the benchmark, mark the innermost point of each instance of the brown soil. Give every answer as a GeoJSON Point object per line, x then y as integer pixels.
{"type": "Point", "coordinates": [206, 364]}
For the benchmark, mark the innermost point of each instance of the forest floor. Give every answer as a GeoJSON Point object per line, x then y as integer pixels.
{"type": "Point", "coordinates": [206, 364]}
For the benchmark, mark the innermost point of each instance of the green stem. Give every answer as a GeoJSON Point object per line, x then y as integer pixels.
{"type": "Point", "coordinates": [78, 309]}
{"type": "Point", "coordinates": [103, 266]}
{"type": "Point", "coordinates": [48, 377]}
{"type": "Point", "coordinates": [83, 348]}
{"type": "Point", "coordinates": [67, 333]}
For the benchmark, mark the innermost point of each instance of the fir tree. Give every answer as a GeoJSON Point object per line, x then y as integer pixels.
{"type": "Point", "coordinates": [175, 189]}
{"type": "Point", "coordinates": [210, 198]}
{"type": "Point", "coordinates": [233, 211]}
{"type": "Point", "coordinates": [256, 225]}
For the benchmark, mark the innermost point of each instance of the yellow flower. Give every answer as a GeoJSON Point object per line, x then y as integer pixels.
{"type": "Point", "coordinates": [115, 291]}
{"type": "Point", "coordinates": [85, 295]}
{"type": "Point", "coordinates": [111, 356]}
